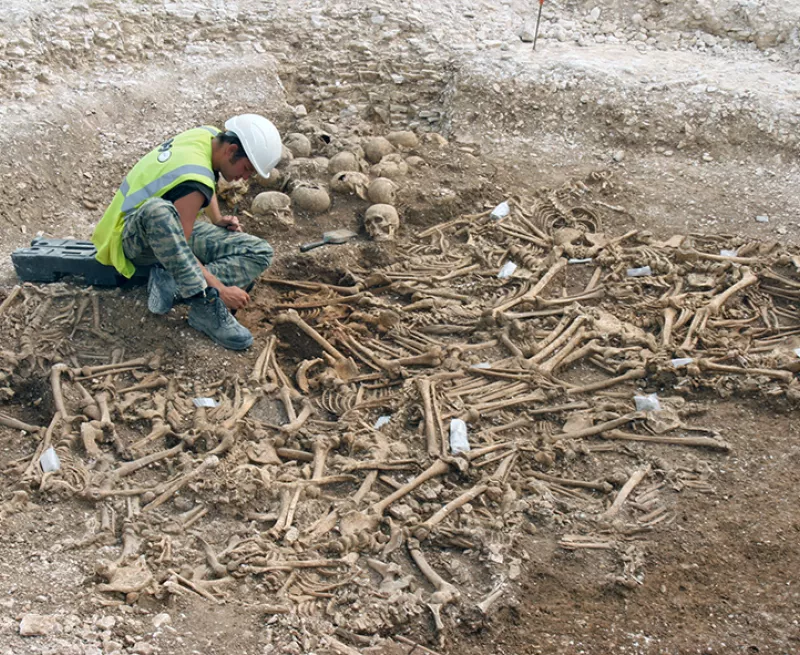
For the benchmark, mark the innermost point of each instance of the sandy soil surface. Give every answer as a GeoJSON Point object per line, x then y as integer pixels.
{"type": "Point", "coordinates": [658, 117]}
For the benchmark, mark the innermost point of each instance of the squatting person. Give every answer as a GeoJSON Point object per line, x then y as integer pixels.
{"type": "Point", "coordinates": [152, 221]}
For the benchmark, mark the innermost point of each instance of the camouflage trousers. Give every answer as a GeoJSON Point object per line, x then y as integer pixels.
{"type": "Point", "coordinates": [153, 234]}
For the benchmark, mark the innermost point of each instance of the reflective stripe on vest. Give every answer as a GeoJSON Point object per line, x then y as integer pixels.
{"type": "Point", "coordinates": [149, 190]}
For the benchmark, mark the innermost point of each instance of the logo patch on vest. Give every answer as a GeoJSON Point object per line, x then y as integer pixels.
{"type": "Point", "coordinates": [164, 155]}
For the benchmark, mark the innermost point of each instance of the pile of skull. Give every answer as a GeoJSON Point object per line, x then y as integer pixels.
{"type": "Point", "coordinates": [403, 431]}
{"type": "Point", "coordinates": [371, 170]}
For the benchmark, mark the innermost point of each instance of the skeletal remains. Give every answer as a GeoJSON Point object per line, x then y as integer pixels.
{"type": "Point", "coordinates": [542, 366]}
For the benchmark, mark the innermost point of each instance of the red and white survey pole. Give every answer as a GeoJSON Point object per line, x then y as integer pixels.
{"type": "Point", "coordinates": [538, 18]}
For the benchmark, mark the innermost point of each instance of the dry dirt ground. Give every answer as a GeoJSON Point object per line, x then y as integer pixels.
{"type": "Point", "coordinates": [677, 119]}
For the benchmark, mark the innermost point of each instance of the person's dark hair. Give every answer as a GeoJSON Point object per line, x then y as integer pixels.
{"type": "Point", "coordinates": [230, 137]}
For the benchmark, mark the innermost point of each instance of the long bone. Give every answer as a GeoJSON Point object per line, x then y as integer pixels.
{"type": "Point", "coordinates": [626, 490]}
{"type": "Point", "coordinates": [432, 439]}
{"type": "Point", "coordinates": [587, 350]}
{"type": "Point", "coordinates": [544, 303]}
{"type": "Point", "coordinates": [175, 486]}
{"type": "Point", "coordinates": [431, 358]}
{"type": "Point", "coordinates": [439, 467]}
{"type": "Point", "coordinates": [135, 465]}
{"type": "Point", "coordinates": [488, 408]}
{"type": "Point", "coordinates": [409, 289]}
{"type": "Point", "coordinates": [504, 391]}
{"type": "Point", "coordinates": [445, 592]}
{"type": "Point", "coordinates": [347, 367]}
{"type": "Point", "coordinates": [552, 364]}
{"type": "Point", "coordinates": [714, 305]}
{"type": "Point", "coordinates": [701, 442]}
{"type": "Point", "coordinates": [422, 531]}
{"type": "Point", "coordinates": [89, 404]}
{"type": "Point", "coordinates": [603, 486]}
{"type": "Point", "coordinates": [290, 496]}
{"type": "Point", "coordinates": [153, 362]}
{"type": "Point", "coordinates": [286, 396]}
{"type": "Point", "coordinates": [44, 444]}
{"type": "Point", "coordinates": [487, 602]}
{"type": "Point", "coordinates": [16, 424]}
{"type": "Point", "coordinates": [708, 365]}
{"type": "Point", "coordinates": [159, 427]}
{"type": "Point", "coordinates": [545, 349]}
{"type": "Point", "coordinates": [311, 286]}
{"type": "Point", "coordinates": [533, 293]}
{"type": "Point", "coordinates": [105, 411]}
{"type": "Point", "coordinates": [296, 424]}
{"type": "Point", "coordinates": [633, 374]}
{"type": "Point", "coordinates": [91, 432]}
{"type": "Point", "coordinates": [669, 321]}
{"type": "Point", "coordinates": [599, 428]}
{"type": "Point", "coordinates": [258, 375]}
{"type": "Point", "coordinates": [321, 447]}
{"type": "Point", "coordinates": [10, 298]}
{"type": "Point", "coordinates": [151, 383]}
{"type": "Point", "coordinates": [58, 393]}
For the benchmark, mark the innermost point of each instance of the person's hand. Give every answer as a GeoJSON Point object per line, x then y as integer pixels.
{"type": "Point", "coordinates": [229, 222]}
{"type": "Point", "coordinates": [234, 297]}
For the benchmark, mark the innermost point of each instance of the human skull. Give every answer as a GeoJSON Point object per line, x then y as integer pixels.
{"type": "Point", "coordinates": [376, 148]}
{"type": "Point", "coordinates": [382, 191]}
{"type": "Point", "coordinates": [381, 222]}
{"type": "Point", "coordinates": [404, 139]}
{"type": "Point", "coordinates": [311, 198]}
{"type": "Point", "coordinates": [299, 144]}
{"type": "Point", "coordinates": [232, 192]}
{"type": "Point", "coordinates": [343, 161]}
{"type": "Point", "coordinates": [274, 182]}
{"type": "Point", "coordinates": [304, 168]}
{"type": "Point", "coordinates": [273, 205]}
{"type": "Point", "coordinates": [350, 182]}
{"type": "Point", "coordinates": [392, 166]}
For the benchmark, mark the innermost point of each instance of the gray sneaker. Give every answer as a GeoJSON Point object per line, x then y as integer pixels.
{"type": "Point", "coordinates": [210, 316]}
{"type": "Point", "coordinates": [161, 290]}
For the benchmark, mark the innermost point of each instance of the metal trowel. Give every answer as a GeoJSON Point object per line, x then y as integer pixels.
{"type": "Point", "coordinates": [334, 236]}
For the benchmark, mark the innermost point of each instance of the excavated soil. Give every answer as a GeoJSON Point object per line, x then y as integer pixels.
{"type": "Point", "coordinates": [673, 118]}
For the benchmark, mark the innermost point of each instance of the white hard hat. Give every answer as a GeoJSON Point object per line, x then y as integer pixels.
{"type": "Point", "coordinates": [260, 140]}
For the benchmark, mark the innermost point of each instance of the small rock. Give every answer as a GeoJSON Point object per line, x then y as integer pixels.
{"type": "Point", "coordinates": [34, 625]}
{"type": "Point", "coordinates": [142, 648]}
{"type": "Point", "coordinates": [161, 619]}
{"type": "Point", "coordinates": [527, 33]}
{"type": "Point", "coordinates": [707, 157]}
{"type": "Point", "coordinates": [618, 155]}
{"type": "Point", "coordinates": [402, 512]}
{"type": "Point", "coordinates": [300, 111]}
{"type": "Point", "coordinates": [106, 622]}
{"type": "Point", "coordinates": [762, 219]}
{"type": "Point", "coordinates": [292, 535]}
{"type": "Point", "coordinates": [593, 16]}
{"type": "Point", "coordinates": [782, 230]}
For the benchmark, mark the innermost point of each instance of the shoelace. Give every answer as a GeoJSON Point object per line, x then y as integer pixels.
{"type": "Point", "coordinates": [221, 312]}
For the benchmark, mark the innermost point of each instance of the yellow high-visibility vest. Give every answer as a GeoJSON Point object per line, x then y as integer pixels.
{"type": "Point", "coordinates": [183, 158]}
